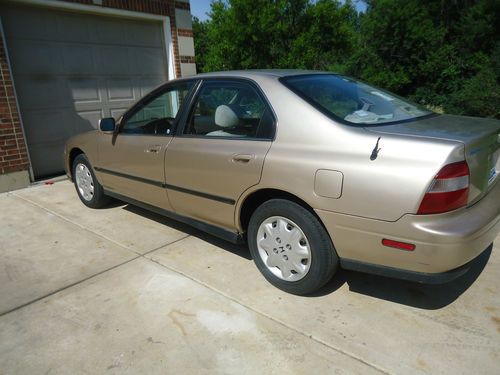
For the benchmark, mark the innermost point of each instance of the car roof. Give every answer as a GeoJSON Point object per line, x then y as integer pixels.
{"type": "Point", "coordinates": [258, 73]}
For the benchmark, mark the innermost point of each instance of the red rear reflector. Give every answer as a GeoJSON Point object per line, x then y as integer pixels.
{"type": "Point", "coordinates": [448, 191]}
{"type": "Point", "coordinates": [398, 244]}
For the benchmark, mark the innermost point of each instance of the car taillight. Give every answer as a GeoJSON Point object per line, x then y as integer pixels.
{"type": "Point", "coordinates": [448, 191]}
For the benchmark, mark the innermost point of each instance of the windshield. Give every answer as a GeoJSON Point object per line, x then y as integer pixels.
{"type": "Point", "coordinates": [343, 98]}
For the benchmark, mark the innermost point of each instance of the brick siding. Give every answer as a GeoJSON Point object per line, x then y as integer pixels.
{"type": "Point", "coordinates": [185, 32]}
{"type": "Point", "coordinates": [13, 154]}
{"type": "Point", "coordinates": [188, 59]}
{"type": "Point", "coordinates": [182, 5]}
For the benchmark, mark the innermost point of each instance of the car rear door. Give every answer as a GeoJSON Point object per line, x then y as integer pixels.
{"type": "Point", "coordinates": [131, 161]}
{"type": "Point", "coordinates": [219, 150]}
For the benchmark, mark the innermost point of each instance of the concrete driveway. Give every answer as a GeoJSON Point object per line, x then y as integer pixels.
{"type": "Point", "coordinates": [121, 290]}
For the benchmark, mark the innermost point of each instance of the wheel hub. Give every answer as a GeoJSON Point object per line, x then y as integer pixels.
{"type": "Point", "coordinates": [284, 248]}
{"type": "Point", "coordinates": [84, 181]}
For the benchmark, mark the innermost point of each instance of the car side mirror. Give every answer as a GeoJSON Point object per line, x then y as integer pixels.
{"type": "Point", "coordinates": [107, 125]}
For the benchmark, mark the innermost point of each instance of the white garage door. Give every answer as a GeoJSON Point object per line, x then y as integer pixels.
{"type": "Point", "coordinates": [70, 69]}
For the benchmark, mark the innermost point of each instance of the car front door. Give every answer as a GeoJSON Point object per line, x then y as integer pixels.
{"type": "Point", "coordinates": [219, 151]}
{"type": "Point", "coordinates": [131, 161]}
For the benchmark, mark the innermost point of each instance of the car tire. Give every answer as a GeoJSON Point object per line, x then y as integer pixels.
{"type": "Point", "coordinates": [290, 247]}
{"type": "Point", "coordinates": [89, 190]}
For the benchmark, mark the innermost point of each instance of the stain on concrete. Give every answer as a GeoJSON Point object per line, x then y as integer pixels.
{"type": "Point", "coordinates": [150, 340]}
{"type": "Point", "coordinates": [496, 320]}
{"type": "Point", "coordinates": [422, 364]}
{"type": "Point", "coordinates": [176, 321]}
{"type": "Point", "coordinates": [398, 314]}
{"type": "Point", "coordinates": [219, 322]}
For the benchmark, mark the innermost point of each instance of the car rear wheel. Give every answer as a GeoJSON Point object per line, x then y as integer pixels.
{"type": "Point", "coordinates": [290, 247]}
{"type": "Point", "coordinates": [88, 188]}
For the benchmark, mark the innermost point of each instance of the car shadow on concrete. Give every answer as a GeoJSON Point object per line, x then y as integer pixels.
{"type": "Point", "coordinates": [239, 250]}
{"type": "Point", "coordinates": [423, 296]}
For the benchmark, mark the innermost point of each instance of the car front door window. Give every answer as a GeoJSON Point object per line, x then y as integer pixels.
{"type": "Point", "coordinates": [157, 116]}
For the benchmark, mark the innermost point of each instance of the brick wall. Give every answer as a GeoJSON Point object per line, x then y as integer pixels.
{"type": "Point", "coordinates": [13, 154]}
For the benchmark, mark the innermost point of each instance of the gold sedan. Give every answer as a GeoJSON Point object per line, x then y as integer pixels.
{"type": "Point", "coordinates": [313, 170]}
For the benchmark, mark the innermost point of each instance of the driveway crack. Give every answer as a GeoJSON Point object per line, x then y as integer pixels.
{"type": "Point", "coordinates": [75, 223]}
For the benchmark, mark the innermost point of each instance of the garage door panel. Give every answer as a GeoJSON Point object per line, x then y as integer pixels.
{"type": "Point", "coordinates": [28, 23]}
{"type": "Point", "coordinates": [148, 83]}
{"type": "Point", "coordinates": [115, 60]}
{"type": "Point", "coordinates": [27, 51]}
{"type": "Point", "coordinates": [77, 59]}
{"type": "Point", "coordinates": [40, 92]}
{"type": "Point", "coordinates": [42, 160]}
{"type": "Point", "coordinates": [116, 112]}
{"type": "Point", "coordinates": [71, 27]}
{"type": "Point", "coordinates": [70, 69]}
{"type": "Point", "coordinates": [147, 61]}
{"type": "Point", "coordinates": [84, 90]}
{"type": "Point", "coordinates": [91, 120]}
{"type": "Point", "coordinates": [39, 133]}
{"type": "Point", "coordinates": [111, 31]}
{"type": "Point", "coordinates": [120, 89]}
{"type": "Point", "coordinates": [77, 121]}
{"type": "Point", "coordinates": [145, 34]}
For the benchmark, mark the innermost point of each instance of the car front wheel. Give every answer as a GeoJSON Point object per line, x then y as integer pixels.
{"type": "Point", "coordinates": [88, 188]}
{"type": "Point", "coordinates": [290, 247]}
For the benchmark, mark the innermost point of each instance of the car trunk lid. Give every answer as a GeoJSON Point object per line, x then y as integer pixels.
{"type": "Point", "coordinates": [480, 136]}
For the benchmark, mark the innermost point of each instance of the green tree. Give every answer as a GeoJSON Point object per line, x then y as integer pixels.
{"type": "Point", "coordinates": [200, 29]}
{"type": "Point", "coordinates": [437, 52]}
{"type": "Point", "coordinates": [244, 34]}
{"type": "Point", "coordinates": [441, 53]}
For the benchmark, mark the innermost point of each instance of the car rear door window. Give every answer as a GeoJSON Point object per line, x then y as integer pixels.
{"type": "Point", "coordinates": [156, 116]}
{"type": "Point", "coordinates": [230, 110]}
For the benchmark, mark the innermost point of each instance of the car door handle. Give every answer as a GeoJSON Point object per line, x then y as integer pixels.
{"type": "Point", "coordinates": [153, 149]}
{"type": "Point", "coordinates": [242, 158]}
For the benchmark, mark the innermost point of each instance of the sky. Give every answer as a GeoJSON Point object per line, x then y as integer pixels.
{"type": "Point", "coordinates": [200, 8]}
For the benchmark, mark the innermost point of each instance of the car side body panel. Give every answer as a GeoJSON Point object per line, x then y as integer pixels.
{"type": "Point", "coordinates": [134, 166]}
{"type": "Point", "coordinates": [205, 177]}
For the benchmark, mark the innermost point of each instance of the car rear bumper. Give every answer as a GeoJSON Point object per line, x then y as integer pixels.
{"type": "Point", "coordinates": [443, 242]}
{"type": "Point", "coordinates": [418, 277]}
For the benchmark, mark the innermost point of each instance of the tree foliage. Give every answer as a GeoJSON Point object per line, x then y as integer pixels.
{"type": "Point", "coordinates": [441, 53]}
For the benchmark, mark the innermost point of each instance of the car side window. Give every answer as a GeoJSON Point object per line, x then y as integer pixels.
{"type": "Point", "coordinates": [157, 116]}
{"type": "Point", "coordinates": [230, 109]}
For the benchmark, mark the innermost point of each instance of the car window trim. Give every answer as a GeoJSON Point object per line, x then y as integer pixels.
{"type": "Point", "coordinates": [182, 123]}
{"type": "Point", "coordinates": [152, 95]}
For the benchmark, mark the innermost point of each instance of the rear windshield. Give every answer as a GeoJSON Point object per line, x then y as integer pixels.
{"type": "Point", "coordinates": [351, 101]}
